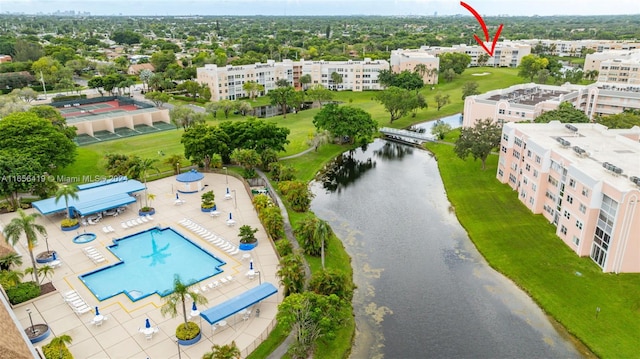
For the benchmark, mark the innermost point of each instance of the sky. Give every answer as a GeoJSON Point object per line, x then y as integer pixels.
{"type": "Point", "coordinates": [324, 7]}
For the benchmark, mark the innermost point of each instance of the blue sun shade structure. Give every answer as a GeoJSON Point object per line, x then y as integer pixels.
{"type": "Point", "coordinates": [236, 304]}
{"type": "Point", "coordinates": [190, 182]}
{"type": "Point", "coordinates": [94, 199]}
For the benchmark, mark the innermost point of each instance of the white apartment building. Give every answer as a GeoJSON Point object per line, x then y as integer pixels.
{"type": "Point", "coordinates": [525, 102]}
{"type": "Point", "coordinates": [226, 82]}
{"type": "Point", "coordinates": [506, 53]}
{"type": "Point", "coordinates": [616, 66]}
{"type": "Point", "coordinates": [576, 47]}
{"type": "Point", "coordinates": [402, 60]}
{"type": "Point", "coordinates": [585, 180]}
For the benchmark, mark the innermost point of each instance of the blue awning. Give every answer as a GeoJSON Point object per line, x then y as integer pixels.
{"type": "Point", "coordinates": [191, 176]}
{"type": "Point", "coordinates": [236, 304]}
{"type": "Point", "coordinates": [94, 200]}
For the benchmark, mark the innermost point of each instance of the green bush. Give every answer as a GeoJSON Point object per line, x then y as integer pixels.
{"type": "Point", "coordinates": [23, 292]}
{"type": "Point", "coordinates": [68, 222]}
{"type": "Point", "coordinates": [68, 98]}
{"type": "Point", "coordinates": [208, 200]}
{"type": "Point", "coordinates": [189, 99]}
{"type": "Point", "coordinates": [188, 331]}
{"type": "Point", "coordinates": [52, 351]}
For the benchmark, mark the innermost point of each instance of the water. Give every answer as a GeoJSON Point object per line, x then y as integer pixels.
{"type": "Point", "coordinates": [84, 238]}
{"type": "Point", "coordinates": [423, 289]}
{"type": "Point", "coordinates": [149, 261]}
{"type": "Point", "coordinates": [454, 121]}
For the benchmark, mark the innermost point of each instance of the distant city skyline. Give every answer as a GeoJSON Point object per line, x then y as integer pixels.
{"type": "Point", "coordinates": [323, 7]}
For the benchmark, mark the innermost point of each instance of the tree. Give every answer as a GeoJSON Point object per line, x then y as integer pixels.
{"type": "Point", "coordinates": [26, 94]}
{"type": "Point", "coordinates": [440, 129]}
{"type": "Point", "coordinates": [282, 83]}
{"type": "Point", "coordinates": [67, 192]}
{"type": "Point", "coordinates": [442, 100]}
{"type": "Point", "coordinates": [190, 87]}
{"type": "Point", "coordinates": [38, 139]}
{"type": "Point", "coordinates": [25, 224]}
{"type": "Point", "coordinates": [483, 59]}
{"type": "Point", "coordinates": [530, 65]}
{"type": "Point", "coordinates": [284, 97]}
{"type": "Point", "coordinates": [144, 76]}
{"type": "Point", "coordinates": [406, 79]}
{"type": "Point", "coordinates": [174, 162]}
{"type": "Point", "coordinates": [19, 174]}
{"type": "Point", "coordinates": [305, 80]}
{"type": "Point", "coordinates": [478, 140]}
{"type": "Point", "coordinates": [158, 98]}
{"type": "Point", "coordinates": [565, 113]}
{"type": "Point", "coordinates": [201, 142]}
{"type": "Point", "coordinates": [141, 167]}
{"type": "Point", "coordinates": [185, 117]}
{"type": "Point", "coordinates": [96, 83]}
{"type": "Point", "coordinates": [458, 62]}
{"type": "Point", "coordinates": [226, 106]}
{"type": "Point", "coordinates": [126, 37]}
{"type": "Point", "coordinates": [252, 88]}
{"type": "Point", "coordinates": [247, 158]}
{"type": "Point", "coordinates": [470, 88]}
{"type": "Point", "coordinates": [542, 76]}
{"type": "Point", "coordinates": [398, 102]}
{"type": "Point", "coordinates": [592, 75]}
{"type": "Point", "coordinates": [162, 59]}
{"type": "Point", "coordinates": [181, 291]}
{"type": "Point", "coordinates": [625, 119]}
{"type": "Point", "coordinates": [331, 281]}
{"type": "Point", "coordinates": [449, 75]}
{"type": "Point", "coordinates": [297, 193]}
{"type": "Point", "coordinates": [319, 93]}
{"type": "Point", "coordinates": [345, 122]}
{"type": "Point", "coordinates": [52, 70]}
{"type": "Point", "coordinates": [256, 134]}
{"type": "Point", "coordinates": [11, 259]}
{"type": "Point", "coordinates": [291, 273]}
{"type": "Point", "coordinates": [227, 351]}
{"type": "Point", "coordinates": [336, 79]}
{"type": "Point", "coordinates": [243, 107]}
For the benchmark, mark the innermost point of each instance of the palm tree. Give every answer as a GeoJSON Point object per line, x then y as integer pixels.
{"type": "Point", "coordinates": [10, 278]}
{"type": "Point", "coordinates": [141, 167]}
{"type": "Point", "coordinates": [181, 291]}
{"type": "Point", "coordinates": [45, 271]}
{"type": "Point", "coordinates": [10, 259]}
{"type": "Point", "coordinates": [174, 162]}
{"type": "Point", "coordinates": [292, 274]}
{"type": "Point", "coordinates": [67, 191]}
{"type": "Point", "coordinates": [322, 233]}
{"type": "Point", "coordinates": [25, 223]}
{"type": "Point", "coordinates": [61, 343]}
{"type": "Point", "coordinates": [227, 351]}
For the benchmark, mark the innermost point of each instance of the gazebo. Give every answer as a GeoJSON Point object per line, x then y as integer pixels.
{"type": "Point", "coordinates": [190, 182]}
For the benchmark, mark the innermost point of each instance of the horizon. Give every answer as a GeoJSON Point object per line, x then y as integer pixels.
{"type": "Point", "coordinates": [444, 8]}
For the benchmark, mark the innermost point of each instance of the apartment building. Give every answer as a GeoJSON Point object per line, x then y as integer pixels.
{"type": "Point", "coordinates": [402, 60]}
{"type": "Point", "coordinates": [577, 47]}
{"type": "Point", "coordinates": [506, 53]}
{"type": "Point", "coordinates": [584, 179]}
{"type": "Point", "coordinates": [616, 66]}
{"type": "Point", "coordinates": [525, 102]}
{"type": "Point", "coordinates": [226, 82]}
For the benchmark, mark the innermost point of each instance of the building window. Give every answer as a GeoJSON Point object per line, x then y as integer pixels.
{"type": "Point", "coordinates": [529, 153]}
{"type": "Point", "coordinates": [553, 181]}
{"type": "Point", "coordinates": [527, 167]}
{"type": "Point", "coordinates": [604, 229]}
{"type": "Point", "coordinates": [585, 192]}
{"type": "Point", "coordinates": [505, 137]}
{"type": "Point", "coordinates": [534, 187]}
{"type": "Point", "coordinates": [567, 215]}
{"type": "Point", "coordinates": [535, 173]}
{"type": "Point", "coordinates": [504, 149]}
{"type": "Point", "coordinates": [525, 180]}
{"type": "Point", "coordinates": [583, 208]}
{"type": "Point", "coordinates": [576, 240]}
{"type": "Point", "coordinates": [569, 199]}
{"type": "Point", "coordinates": [563, 230]}
{"type": "Point", "coordinates": [512, 178]}
{"type": "Point", "coordinates": [518, 142]}
{"type": "Point", "coordinates": [579, 224]}
{"type": "Point", "coordinates": [537, 159]}
{"type": "Point", "coordinates": [516, 154]}
{"type": "Point", "coordinates": [572, 183]}
{"type": "Point", "coordinates": [531, 201]}
{"type": "Point", "coordinates": [501, 111]}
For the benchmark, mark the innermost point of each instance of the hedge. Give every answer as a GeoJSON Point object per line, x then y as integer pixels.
{"type": "Point", "coordinates": [23, 292]}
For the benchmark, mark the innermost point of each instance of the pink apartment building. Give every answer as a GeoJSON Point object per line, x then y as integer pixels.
{"type": "Point", "coordinates": [583, 178]}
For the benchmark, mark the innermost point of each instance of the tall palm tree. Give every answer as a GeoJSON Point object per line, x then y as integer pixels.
{"type": "Point", "coordinates": [67, 192]}
{"type": "Point", "coordinates": [322, 233]}
{"type": "Point", "coordinates": [181, 291]}
{"type": "Point", "coordinates": [292, 274]}
{"type": "Point", "coordinates": [25, 223]}
{"type": "Point", "coordinates": [141, 167]}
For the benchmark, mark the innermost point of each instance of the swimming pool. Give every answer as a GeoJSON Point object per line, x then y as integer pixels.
{"type": "Point", "coordinates": [148, 262]}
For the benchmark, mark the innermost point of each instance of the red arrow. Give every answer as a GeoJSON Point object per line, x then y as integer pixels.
{"type": "Point", "coordinates": [484, 28]}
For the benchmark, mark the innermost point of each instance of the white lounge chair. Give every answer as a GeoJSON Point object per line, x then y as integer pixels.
{"type": "Point", "coordinates": [235, 251]}
{"type": "Point", "coordinates": [223, 280]}
{"type": "Point", "coordinates": [124, 225]}
{"type": "Point", "coordinates": [105, 229]}
{"type": "Point", "coordinates": [230, 278]}
{"type": "Point", "coordinates": [139, 220]}
{"type": "Point", "coordinates": [143, 219]}
{"type": "Point", "coordinates": [149, 217]}
{"type": "Point", "coordinates": [214, 284]}
{"type": "Point", "coordinates": [231, 249]}
{"type": "Point", "coordinates": [82, 310]}
{"type": "Point", "coordinates": [110, 229]}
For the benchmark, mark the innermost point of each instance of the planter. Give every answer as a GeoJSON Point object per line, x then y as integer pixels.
{"type": "Point", "coordinates": [190, 341]}
{"type": "Point", "coordinates": [150, 212]}
{"type": "Point", "coordinates": [42, 332]}
{"type": "Point", "coordinates": [45, 257]}
{"type": "Point", "coordinates": [247, 246]}
{"type": "Point", "coordinates": [207, 210]}
{"type": "Point", "coordinates": [72, 228]}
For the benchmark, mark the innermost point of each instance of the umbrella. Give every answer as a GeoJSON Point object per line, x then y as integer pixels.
{"type": "Point", "coordinates": [251, 265]}
{"type": "Point", "coordinates": [227, 190]}
{"type": "Point", "coordinates": [97, 311]}
{"type": "Point", "coordinates": [177, 196]}
{"type": "Point", "coordinates": [230, 217]}
{"type": "Point", "coordinates": [193, 307]}
{"type": "Point", "coordinates": [147, 324]}
{"type": "Point", "coordinates": [53, 256]}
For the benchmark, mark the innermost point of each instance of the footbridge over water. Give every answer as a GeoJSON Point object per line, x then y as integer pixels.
{"type": "Point", "coordinates": [406, 135]}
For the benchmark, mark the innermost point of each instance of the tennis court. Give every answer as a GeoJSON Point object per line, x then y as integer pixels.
{"type": "Point", "coordinates": [75, 110]}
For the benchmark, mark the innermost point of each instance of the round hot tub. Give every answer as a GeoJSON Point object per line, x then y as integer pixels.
{"type": "Point", "coordinates": [84, 238]}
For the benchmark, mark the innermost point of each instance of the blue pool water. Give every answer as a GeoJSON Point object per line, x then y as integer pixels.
{"type": "Point", "coordinates": [148, 262]}
{"type": "Point", "coordinates": [84, 238]}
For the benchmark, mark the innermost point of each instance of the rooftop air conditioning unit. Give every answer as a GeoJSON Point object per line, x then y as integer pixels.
{"type": "Point", "coordinates": [563, 142]}
{"type": "Point", "coordinates": [571, 127]}
{"type": "Point", "coordinates": [580, 151]}
{"type": "Point", "coordinates": [635, 180]}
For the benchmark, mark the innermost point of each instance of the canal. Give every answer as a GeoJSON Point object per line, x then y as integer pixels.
{"type": "Point", "coordinates": [423, 291]}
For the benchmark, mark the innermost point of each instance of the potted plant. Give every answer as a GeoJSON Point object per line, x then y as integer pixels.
{"type": "Point", "coordinates": [208, 202]}
{"type": "Point", "coordinates": [69, 224]}
{"type": "Point", "coordinates": [188, 332]}
{"type": "Point", "coordinates": [147, 209]}
{"type": "Point", "coordinates": [248, 240]}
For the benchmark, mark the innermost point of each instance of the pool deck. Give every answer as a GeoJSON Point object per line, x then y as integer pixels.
{"type": "Point", "coordinates": [118, 336]}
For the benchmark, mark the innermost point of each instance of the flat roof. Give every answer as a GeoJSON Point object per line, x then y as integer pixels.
{"type": "Point", "coordinates": [528, 96]}
{"type": "Point", "coordinates": [238, 303]}
{"type": "Point", "coordinates": [94, 199]}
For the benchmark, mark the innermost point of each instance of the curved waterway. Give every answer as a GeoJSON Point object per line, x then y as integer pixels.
{"type": "Point", "coordinates": [423, 291]}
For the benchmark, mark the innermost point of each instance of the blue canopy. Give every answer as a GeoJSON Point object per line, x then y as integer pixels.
{"type": "Point", "coordinates": [236, 304]}
{"type": "Point", "coordinates": [94, 199]}
{"type": "Point", "coordinates": [191, 176]}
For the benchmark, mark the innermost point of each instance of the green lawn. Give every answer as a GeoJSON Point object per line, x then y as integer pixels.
{"type": "Point", "coordinates": [525, 248]}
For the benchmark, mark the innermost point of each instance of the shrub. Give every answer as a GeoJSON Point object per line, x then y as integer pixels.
{"type": "Point", "coordinates": [23, 292]}
{"type": "Point", "coordinates": [68, 98]}
{"type": "Point", "coordinates": [208, 200]}
{"type": "Point", "coordinates": [52, 351]}
{"type": "Point", "coordinates": [188, 331]}
{"type": "Point", "coordinates": [68, 222]}
{"type": "Point", "coordinates": [330, 281]}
